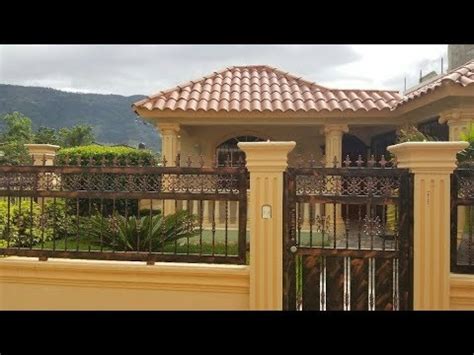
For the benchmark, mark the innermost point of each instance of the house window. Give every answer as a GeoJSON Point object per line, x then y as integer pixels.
{"type": "Point", "coordinates": [229, 154]}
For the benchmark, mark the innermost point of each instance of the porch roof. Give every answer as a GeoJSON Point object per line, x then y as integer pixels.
{"type": "Point", "coordinates": [262, 88]}
{"type": "Point", "coordinates": [255, 90]}
{"type": "Point", "coordinates": [462, 76]}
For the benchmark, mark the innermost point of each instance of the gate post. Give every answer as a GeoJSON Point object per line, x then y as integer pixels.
{"type": "Point", "coordinates": [432, 164]}
{"type": "Point", "coordinates": [266, 162]}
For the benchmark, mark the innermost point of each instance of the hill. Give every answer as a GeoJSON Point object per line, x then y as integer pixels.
{"type": "Point", "coordinates": [111, 116]}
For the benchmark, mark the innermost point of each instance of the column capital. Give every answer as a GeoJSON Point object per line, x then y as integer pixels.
{"type": "Point", "coordinates": [428, 157]}
{"type": "Point", "coordinates": [456, 116]}
{"type": "Point", "coordinates": [266, 156]}
{"type": "Point", "coordinates": [340, 128]}
{"type": "Point", "coordinates": [168, 128]}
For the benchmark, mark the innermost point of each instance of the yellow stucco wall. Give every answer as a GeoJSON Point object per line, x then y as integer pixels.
{"type": "Point", "coordinates": [28, 284]}
{"type": "Point", "coordinates": [462, 292]}
{"type": "Point", "coordinates": [196, 140]}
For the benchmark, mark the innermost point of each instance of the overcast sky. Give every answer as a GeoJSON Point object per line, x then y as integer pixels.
{"type": "Point", "coordinates": [146, 69]}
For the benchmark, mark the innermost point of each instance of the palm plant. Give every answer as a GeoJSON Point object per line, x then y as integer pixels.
{"type": "Point", "coordinates": [466, 157]}
{"type": "Point", "coordinates": [150, 232]}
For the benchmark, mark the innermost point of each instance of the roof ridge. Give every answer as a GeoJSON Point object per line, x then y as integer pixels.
{"type": "Point", "coordinates": [376, 90]}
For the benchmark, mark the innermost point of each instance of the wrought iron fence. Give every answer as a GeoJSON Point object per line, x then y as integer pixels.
{"type": "Point", "coordinates": [104, 210]}
{"type": "Point", "coordinates": [348, 242]}
{"type": "Point", "coordinates": [462, 221]}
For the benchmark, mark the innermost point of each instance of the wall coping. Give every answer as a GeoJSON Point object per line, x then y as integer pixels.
{"type": "Point", "coordinates": [267, 156]}
{"type": "Point", "coordinates": [432, 157]}
{"type": "Point", "coordinates": [124, 274]}
{"type": "Point", "coordinates": [42, 148]}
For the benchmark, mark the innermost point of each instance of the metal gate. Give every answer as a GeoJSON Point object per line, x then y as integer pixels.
{"type": "Point", "coordinates": [348, 238]}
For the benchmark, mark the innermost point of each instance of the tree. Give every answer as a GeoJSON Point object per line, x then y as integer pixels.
{"type": "Point", "coordinates": [18, 128]}
{"type": "Point", "coordinates": [46, 135]}
{"type": "Point", "coordinates": [18, 131]}
{"type": "Point", "coordinates": [78, 135]}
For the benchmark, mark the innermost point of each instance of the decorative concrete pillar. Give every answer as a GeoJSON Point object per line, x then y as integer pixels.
{"type": "Point", "coordinates": [333, 134]}
{"type": "Point", "coordinates": [432, 164]}
{"type": "Point", "coordinates": [266, 162]}
{"type": "Point", "coordinates": [43, 154]}
{"type": "Point", "coordinates": [169, 151]}
{"type": "Point", "coordinates": [458, 121]}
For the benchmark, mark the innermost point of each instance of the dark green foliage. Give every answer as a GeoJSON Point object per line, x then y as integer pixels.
{"type": "Point", "coordinates": [145, 233]}
{"type": "Point", "coordinates": [79, 135]}
{"type": "Point", "coordinates": [111, 116]}
{"type": "Point", "coordinates": [46, 135]}
{"type": "Point", "coordinates": [16, 132]}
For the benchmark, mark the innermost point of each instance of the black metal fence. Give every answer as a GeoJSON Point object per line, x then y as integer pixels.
{"type": "Point", "coordinates": [94, 210]}
{"type": "Point", "coordinates": [348, 240]}
{"type": "Point", "coordinates": [462, 221]}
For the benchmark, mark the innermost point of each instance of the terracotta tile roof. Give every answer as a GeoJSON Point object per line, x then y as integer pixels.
{"type": "Point", "coordinates": [463, 76]}
{"type": "Point", "coordinates": [262, 88]}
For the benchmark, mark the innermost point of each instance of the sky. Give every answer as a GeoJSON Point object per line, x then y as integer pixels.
{"type": "Point", "coordinates": [147, 69]}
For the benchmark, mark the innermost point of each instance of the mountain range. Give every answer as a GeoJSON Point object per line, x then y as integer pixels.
{"type": "Point", "coordinates": [111, 116]}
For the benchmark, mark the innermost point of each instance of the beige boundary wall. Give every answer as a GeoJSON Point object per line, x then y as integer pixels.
{"type": "Point", "coordinates": [57, 284]}
{"type": "Point", "coordinates": [462, 292]}
{"type": "Point", "coordinates": [26, 283]}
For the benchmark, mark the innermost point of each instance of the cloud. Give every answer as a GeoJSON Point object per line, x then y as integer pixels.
{"type": "Point", "coordinates": [146, 69]}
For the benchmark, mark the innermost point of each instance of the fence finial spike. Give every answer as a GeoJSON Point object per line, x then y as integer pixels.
{"type": "Point", "coordinates": [323, 160]}
{"type": "Point", "coordinates": [312, 161]}
{"type": "Point", "coordinates": [371, 162]}
{"type": "Point", "coordinates": [347, 161]}
{"type": "Point", "coordinates": [178, 159]}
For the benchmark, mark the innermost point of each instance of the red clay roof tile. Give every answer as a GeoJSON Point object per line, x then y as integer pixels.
{"type": "Point", "coordinates": [463, 76]}
{"type": "Point", "coordinates": [262, 88]}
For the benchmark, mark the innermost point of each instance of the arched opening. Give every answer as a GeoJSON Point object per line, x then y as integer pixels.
{"type": "Point", "coordinates": [353, 147]}
{"type": "Point", "coordinates": [229, 154]}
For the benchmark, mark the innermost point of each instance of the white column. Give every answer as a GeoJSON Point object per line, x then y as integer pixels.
{"type": "Point", "coordinates": [333, 134]}
{"type": "Point", "coordinates": [169, 150]}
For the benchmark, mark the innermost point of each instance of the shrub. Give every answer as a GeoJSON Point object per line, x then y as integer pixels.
{"type": "Point", "coordinates": [29, 226]}
{"type": "Point", "coordinates": [134, 233]}
{"type": "Point", "coordinates": [24, 226]}
{"type": "Point", "coordinates": [98, 154]}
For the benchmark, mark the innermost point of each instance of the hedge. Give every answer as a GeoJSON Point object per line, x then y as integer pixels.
{"type": "Point", "coordinates": [107, 155]}
{"type": "Point", "coordinates": [98, 154]}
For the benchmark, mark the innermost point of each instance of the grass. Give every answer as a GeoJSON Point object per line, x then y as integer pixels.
{"type": "Point", "coordinates": [86, 243]}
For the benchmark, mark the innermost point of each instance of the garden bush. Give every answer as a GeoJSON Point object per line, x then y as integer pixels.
{"type": "Point", "coordinates": [29, 226]}
{"type": "Point", "coordinates": [109, 156]}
